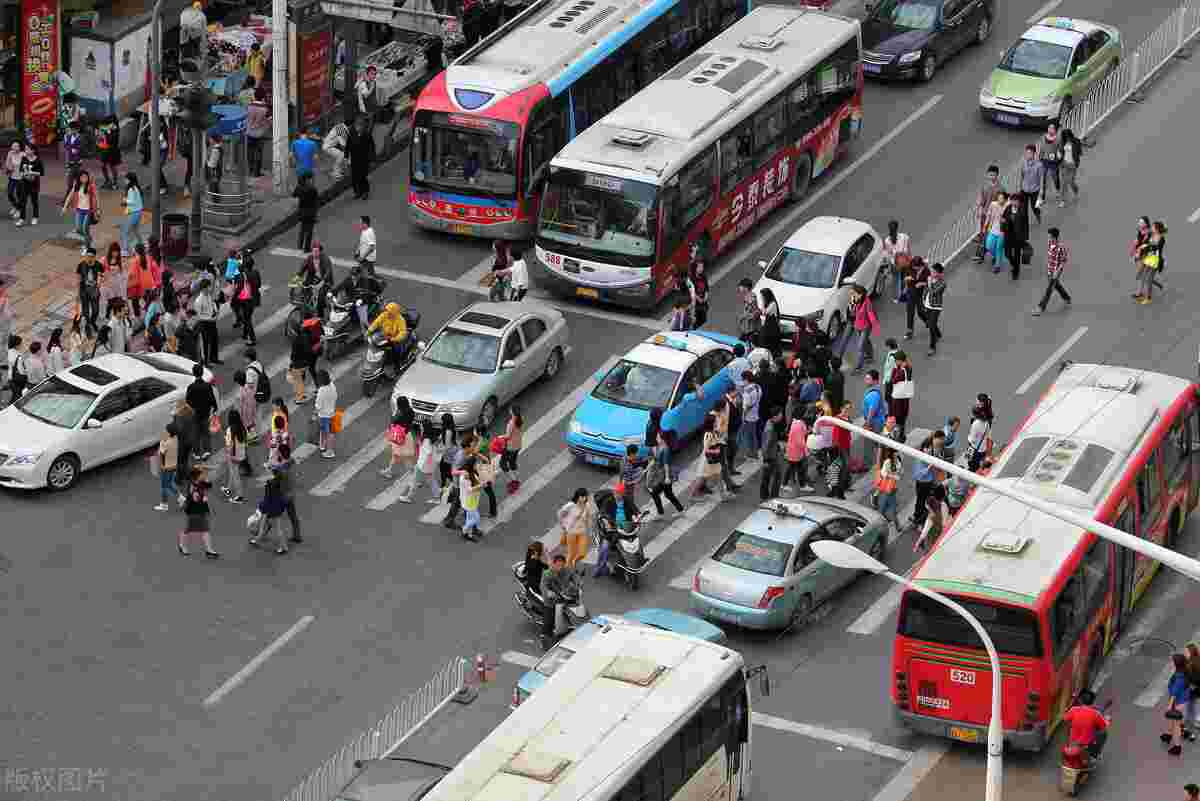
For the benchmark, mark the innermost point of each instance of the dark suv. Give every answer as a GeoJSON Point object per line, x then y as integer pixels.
{"type": "Point", "coordinates": [911, 38]}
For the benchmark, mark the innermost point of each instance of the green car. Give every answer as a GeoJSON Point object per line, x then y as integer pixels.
{"type": "Point", "coordinates": [1050, 68]}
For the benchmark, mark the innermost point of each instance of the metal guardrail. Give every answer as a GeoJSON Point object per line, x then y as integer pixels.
{"type": "Point", "coordinates": [1136, 69]}
{"type": "Point", "coordinates": [384, 737]}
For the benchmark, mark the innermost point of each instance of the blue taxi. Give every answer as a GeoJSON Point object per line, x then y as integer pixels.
{"type": "Point", "coordinates": [662, 371]}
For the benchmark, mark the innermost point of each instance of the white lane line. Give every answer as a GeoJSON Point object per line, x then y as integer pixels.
{"type": "Point", "coordinates": [1040, 14]}
{"type": "Point", "coordinates": [257, 662]}
{"type": "Point", "coordinates": [549, 471]}
{"type": "Point", "coordinates": [845, 739]}
{"type": "Point", "coordinates": [913, 773]}
{"type": "Point", "coordinates": [471, 277]}
{"type": "Point", "coordinates": [519, 659]}
{"type": "Point", "coordinates": [743, 251]}
{"type": "Point", "coordinates": [1195, 215]}
{"type": "Point", "coordinates": [1157, 688]}
{"type": "Point", "coordinates": [474, 289]}
{"type": "Point", "coordinates": [337, 480]}
{"type": "Point", "coordinates": [1054, 359]}
{"type": "Point", "coordinates": [399, 487]}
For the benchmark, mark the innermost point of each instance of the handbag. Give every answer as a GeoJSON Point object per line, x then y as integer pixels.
{"type": "Point", "coordinates": [904, 390]}
{"type": "Point", "coordinates": [335, 425]}
{"type": "Point", "coordinates": [214, 424]}
{"type": "Point", "coordinates": [156, 463]}
{"type": "Point", "coordinates": [903, 263]}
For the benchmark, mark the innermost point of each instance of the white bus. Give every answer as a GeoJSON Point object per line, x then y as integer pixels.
{"type": "Point", "coordinates": [637, 715]}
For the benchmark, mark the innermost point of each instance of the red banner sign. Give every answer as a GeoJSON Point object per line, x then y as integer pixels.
{"type": "Point", "coordinates": [40, 19]}
{"type": "Point", "coordinates": [316, 84]}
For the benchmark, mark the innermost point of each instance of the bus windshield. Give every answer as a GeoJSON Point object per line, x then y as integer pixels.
{"type": "Point", "coordinates": [1014, 631]}
{"type": "Point", "coordinates": [597, 217]}
{"type": "Point", "coordinates": [461, 152]}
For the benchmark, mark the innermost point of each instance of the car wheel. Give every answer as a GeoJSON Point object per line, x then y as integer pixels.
{"type": "Point", "coordinates": [487, 415]}
{"type": "Point", "coordinates": [801, 178]}
{"type": "Point", "coordinates": [928, 68]}
{"type": "Point", "coordinates": [984, 30]}
{"type": "Point", "coordinates": [802, 611]}
{"type": "Point", "coordinates": [834, 329]}
{"type": "Point", "coordinates": [63, 473]}
{"type": "Point", "coordinates": [553, 364]}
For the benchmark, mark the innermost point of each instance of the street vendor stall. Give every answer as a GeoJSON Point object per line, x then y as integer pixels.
{"type": "Point", "coordinates": [229, 50]}
{"type": "Point", "coordinates": [400, 64]}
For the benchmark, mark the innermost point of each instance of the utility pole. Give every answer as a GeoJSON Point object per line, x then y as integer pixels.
{"type": "Point", "coordinates": [279, 97]}
{"type": "Point", "coordinates": [155, 60]}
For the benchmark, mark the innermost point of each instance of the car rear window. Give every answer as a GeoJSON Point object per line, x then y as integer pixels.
{"type": "Point", "coordinates": [1014, 631]}
{"type": "Point", "coordinates": [94, 375]}
{"type": "Point", "coordinates": [756, 554]}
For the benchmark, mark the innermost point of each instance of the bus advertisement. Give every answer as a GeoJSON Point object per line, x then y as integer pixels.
{"type": "Point", "coordinates": [487, 126]}
{"type": "Point", "coordinates": [697, 158]}
{"type": "Point", "coordinates": [1115, 443]}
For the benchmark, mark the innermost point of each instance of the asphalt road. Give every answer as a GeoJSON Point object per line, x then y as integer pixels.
{"type": "Point", "coordinates": [116, 641]}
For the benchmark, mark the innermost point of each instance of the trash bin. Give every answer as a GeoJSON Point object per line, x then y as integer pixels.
{"type": "Point", "coordinates": [175, 229]}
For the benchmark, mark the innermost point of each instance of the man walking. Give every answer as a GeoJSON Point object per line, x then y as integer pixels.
{"type": "Point", "coordinates": [987, 193]}
{"type": "Point", "coordinates": [304, 155]}
{"type": "Point", "coordinates": [307, 201]}
{"type": "Point", "coordinates": [1056, 260]}
{"type": "Point", "coordinates": [366, 252]}
{"type": "Point", "coordinates": [1032, 175]}
{"type": "Point", "coordinates": [874, 411]}
{"type": "Point", "coordinates": [932, 304]}
{"type": "Point", "coordinates": [361, 148]}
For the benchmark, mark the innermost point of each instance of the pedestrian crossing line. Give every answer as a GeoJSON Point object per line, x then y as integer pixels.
{"type": "Point", "coordinates": [398, 489]}
{"type": "Point", "coordinates": [264, 326]}
{"type": "Point", "coordinates": [336, 481]}
{"type": "Point", "coordinates": [391, 272]}
{"type": "Point", "coordinates": [878, 613]}
{"type": "Point", "coordinates": [547, 472]}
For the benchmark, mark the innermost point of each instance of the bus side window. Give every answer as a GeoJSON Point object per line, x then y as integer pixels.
{"type": "Point", "coordinates": [737, 158]}
{"type": "Point", "coordinates": [1067, 612]}
{"type": "Point", "coordinates": [1149, 486]}
{"type": "Point", "coordinates": [697, 187]}
{"type": "Point", "coordinates": [836, 78]}
{"type": "Point", "coordinates": [770, 126]}
{"type": "Point", "coordinates": [545, 136]}
{"type": "Point", "coordinates": [802, 105]}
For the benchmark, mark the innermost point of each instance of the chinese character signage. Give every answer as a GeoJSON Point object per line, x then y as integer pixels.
{"type": "Point", "coordinates": [316, 85]}
{"type": "Point", "coordinates": [40, 63]}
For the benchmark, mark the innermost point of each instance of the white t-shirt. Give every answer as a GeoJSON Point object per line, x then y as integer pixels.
{"type": "Point", "coordinates": [519, 278]}
{"type": "Point", "coordinates": [326, 403]}
{"type": "Point", "coordinates": [366, 245]}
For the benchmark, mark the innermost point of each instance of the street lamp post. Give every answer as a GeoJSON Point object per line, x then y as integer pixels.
{"type": "Point", "coordinates": [1184, 564]}
{"type": "Point", "coordinates": [155, 46]}
{"type": "Point", "coordinates": [839, 554]}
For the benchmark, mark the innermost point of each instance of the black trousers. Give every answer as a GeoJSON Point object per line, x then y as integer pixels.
{"type": "Point", "coordinates": [358, 180]}
{"type": "Point", "coordinates": [89, 306]}
{"type": "Point", "coordinates": [1052, 285]}
{"type": "Point", "coordinates": [772, 480]}
{"type": "Point", "coordinates": [931, 318]}
{"type": "Point", "coordinates": [920, 510]}
{"type": "Point", "coordinates": [549, 617]}
{"type": "Point", "coordinates": [911, 307]}
{"type": "Point", "coordinates": [209, 342]}
{"type": "Point", "coordinates": [797, 472]}
{"type": "Point", "coordinates": [255, 156]}
{"type": "Point", "coordinates": [294, 518]}
{"type": "Point", "coordinates": [664, 490]}
{"type": "Point", "coordinates": [33, 189]}
{"type": "Point", "coordinates": [1030, 199]}
{"type": "Point", "coordinates": [306, 234]}
{"type": "Point", "coordinates": [490, 492]}
{"type": "Point", "coordinates": [245, 315]}
{"type": "Point", "coordinates": [1012, 251]}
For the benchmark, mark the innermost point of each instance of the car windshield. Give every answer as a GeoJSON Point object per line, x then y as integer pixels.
{"type": "Point", "coordinates": [638, 385]}
{"type": "Point", "coordinates": [804, 268]}
{"type": "Point", "coordinates": [464, 350]}
{"type": "Point", "coordinates": [913, 15]}
{"type": "Point", "coordinates": [756, 554]}
{"type": "Point", "coordinates": [465, 152]}
{"type": "Point", "coordinates": [1039, 59]}
{"type": "Point", "coordinates": [601, 217]}
{"type": "Point", "coordinates": [555, 658]}
{"type": "Point", "coordinates": [56, 402]}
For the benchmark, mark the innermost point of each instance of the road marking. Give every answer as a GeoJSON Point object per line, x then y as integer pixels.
{"type": "Point", "coordinates": [272, 322]}
{"type": "Point", "coordinates": [549, 471]}
{"type": "Point", "coordinates": [1052, 361]}
{"type": "Point", "coordinates": [1195, 215]}
{"type": "Point", "coordinates": [519, 659]}
{"type": "Point", "coordinates": [471, 277]}
{"type": "Point", "coordinates": [257, 662]}
{"type": "Point", "coordinates": [878, 613]}
{"type": "Point", "coordinates": [474, 289]}
{"type": "Point", "coordinates": [1041, 13]}
{"type": "Point", "coordinates": [743, 251]}
{"type": "Point", "coordinates": [845, 739]}
{"type": "Point", "coordinates": [394, 493]}
{"type": "Point", "coordinates": [913, 773]}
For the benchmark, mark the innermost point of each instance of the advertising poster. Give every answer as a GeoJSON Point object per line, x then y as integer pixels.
{"type": "Point", "coordinates": [316, 86]}
{"type": "Point", "coordinates": [130, 67]}
{"type": "Point", "coordinates": [91, 67]}
{"type": "Point", "coordinates": [41, 35]}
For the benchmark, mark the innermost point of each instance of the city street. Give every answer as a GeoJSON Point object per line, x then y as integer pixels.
{"type": "Point", "coordinates": [128, 661]}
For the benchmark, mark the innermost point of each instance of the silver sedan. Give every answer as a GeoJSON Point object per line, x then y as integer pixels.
{"type": "Point", "coordinates": [483, 357]}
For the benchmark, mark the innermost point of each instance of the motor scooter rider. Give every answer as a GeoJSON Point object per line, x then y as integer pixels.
{"type": "Point", "coordinates": [1089, 726]}
{"type": "Point", "coordinates": [317, 269]}
{"type": "Point", "coordinates": [360, 285]}
{"type": "Point", "coordinates": [394, 327]}
{"type": "Point", "coordinates": [558, 584]}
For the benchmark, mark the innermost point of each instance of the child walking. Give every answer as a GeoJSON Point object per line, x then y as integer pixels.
{"type": "Point", "coordinates": [326, 408]}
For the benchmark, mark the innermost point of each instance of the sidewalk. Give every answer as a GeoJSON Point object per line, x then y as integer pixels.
{"type": "Point", "coordinates": [38, 262]}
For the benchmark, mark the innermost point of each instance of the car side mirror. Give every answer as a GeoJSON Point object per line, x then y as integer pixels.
{"type": "Point", "coordinates": [507, 364]}
{"type": "Point", "coordinates": [93, 423]}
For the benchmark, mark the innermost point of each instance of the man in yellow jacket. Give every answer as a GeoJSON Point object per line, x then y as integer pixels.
{"type": "Point", "coordinates": [393, 325]}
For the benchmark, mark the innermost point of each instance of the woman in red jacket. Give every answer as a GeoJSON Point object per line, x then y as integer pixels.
{"type": "Point", "coordinates": [139, 279]}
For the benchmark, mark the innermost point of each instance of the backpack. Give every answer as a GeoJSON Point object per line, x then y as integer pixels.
{"type": "Point", "coordinates": [262, 387]}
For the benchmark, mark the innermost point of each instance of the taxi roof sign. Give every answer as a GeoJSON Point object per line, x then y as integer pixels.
{"type": "Point", "coordinates": [1059, 22]}
{"type": "Point", "coordinates": [670, 342]}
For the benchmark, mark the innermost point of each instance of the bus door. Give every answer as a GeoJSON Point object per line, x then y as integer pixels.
{"type": "Point", "coordinates": [1126, 562]}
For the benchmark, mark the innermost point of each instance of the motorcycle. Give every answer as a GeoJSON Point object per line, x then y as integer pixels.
{"type": "Point", "coordinates": [376, 361]}
{"type": "Point", "coordinates": [533, 606]}
{"type": "Point", "coordinates": [347, 320]}
{"type": "Point", "coordinates": [305, 305]}
{"type": "Point", "coordinates": [626, 554]}
{"type": "Point", "coordinates": [1077, 763]}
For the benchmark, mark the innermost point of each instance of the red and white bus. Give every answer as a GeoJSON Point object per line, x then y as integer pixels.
{"type": "Point", "coordinates": [1112, 442]}
{"type": "Point", "coordinates": [700, 155]}
{"type": "Point", "coordinates": [485, 128]}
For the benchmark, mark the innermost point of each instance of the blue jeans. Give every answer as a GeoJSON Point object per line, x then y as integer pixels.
{"type": "Point", "coordinates": [897, 282]}
{"type": "Point", "coordinates": [130, 230]}
{"type": "Point", "coordinates": [166, 484]}
{"type": "Point", "coordinates": [994, 244]}
{"type": "Point", "coordinates": [862, 343]}
{"type": "Point", "coordinates": [887, 507]}
{"type": "Point", "coordinates": [749, 436]}
{"type": "Point", "coordinates": [83, 225]}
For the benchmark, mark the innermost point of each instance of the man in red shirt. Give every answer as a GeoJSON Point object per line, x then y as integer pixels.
{"type": "Point", "coordinates": [1089, 727]}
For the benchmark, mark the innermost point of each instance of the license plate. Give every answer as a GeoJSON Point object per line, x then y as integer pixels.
{"type": "Point", "coordinates": [600, 460]}
{"type": "Point", "coordinates": [459, 228]}
{"type": "Point", "coordinates": [587, 292]}
{"type": "Point", "coordinates": [1008, 119]}
{"type": "Point", "coordinates": [965, 735]}
{"type": "Point", "coordinates": [875, 68]}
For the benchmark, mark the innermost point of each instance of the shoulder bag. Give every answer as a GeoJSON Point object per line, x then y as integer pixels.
{"type": "Point", "coordinates": [906, 389]}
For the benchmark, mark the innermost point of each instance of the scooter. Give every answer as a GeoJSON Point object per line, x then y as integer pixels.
{"type": "Point", "coordinates": [1077, 763]}
{"type": "Point", "coordinates": [376, 365]}
{"type": "Point", "coordinates": [626, 553]}
{"type": "Point", "coordinates": [533, 606]}
{"type": "Point", "coordinates": [304, 300]}
{"type": "Point", "coordinates": [347, 321]}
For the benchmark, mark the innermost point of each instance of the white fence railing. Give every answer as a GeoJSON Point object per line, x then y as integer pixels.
{"type": "Point", "coordinates": [1136, 68]}
{"type": "Point", "coordinates": [384, 737]}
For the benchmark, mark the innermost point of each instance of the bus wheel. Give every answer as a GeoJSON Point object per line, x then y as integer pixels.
{"type": "Point", "coordinates": [801, 178]}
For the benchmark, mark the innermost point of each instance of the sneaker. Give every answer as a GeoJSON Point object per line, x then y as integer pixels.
{"type": "Point", "coordinates": [1037, 311]}
{"type": "Point", "coordinates": [83, 251]}
{"type": "Point", "coordinates": [19, 224]}
{"type": "Point", "coordinates": [281, 550]}
{"type": "Point", "coordinates": [1062, 204]}
{"type": "Point", "coordinates": [33, 221]}
{"type": "Point", "coordinates": [404, 499]}
{"type": "Point", "coordinates": [908, 334]}
{"type": "Point", "coordinates": [435, 499]}
{"type": "Point", "coordinates": [237, 499]}
{"type": "Point", "coordinates": [1144, 300]}
{"type": "Point", "coordinates": [162, 507]}
{"type": "Point", "coordinates": [327, 455]}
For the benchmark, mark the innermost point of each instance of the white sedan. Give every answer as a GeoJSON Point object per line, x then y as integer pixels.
{"type": "Point", "coordinates": [812, 273]}
{"type": "Point", "coordinates": [88, 415]}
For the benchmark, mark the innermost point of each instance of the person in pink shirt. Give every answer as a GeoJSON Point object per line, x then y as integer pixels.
{"type": "Point", "coordinates": [797, 454]}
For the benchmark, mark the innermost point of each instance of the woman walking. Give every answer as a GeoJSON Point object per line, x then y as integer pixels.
{"type": "Point", "coordinates": [658, 475]}
{"type": "Point", "coordinates": [402, 449]}
{"type": "Point", "coordinates": [485, 469]}
{"type": "Point", "coordinates": [119, 329]}
{"type": "Point", "coordinates": [199, 514]}
{"type": "Point", "coordinates": [771, 335]}
{"type": "Point", "coordinates": [513, 435]}
{"type": "Point", "coordinates": [899, 404]}
{"type": "Point", "coordinates": [12, 169]}
{"type": "Point", "coordinates": [995, 224]}
{"type": "Point", "coordinates": [133, 205]}
{"type": "Point", "coordinates": [469, 490]}
{"type": "Point", "coordinates": [138, 280]}
{"type": "Point", "coordinates": [575, 519]}
{"type": "Point", "coordinates": [1151, 262]}
{"type": "Point", "coordinates": [325, 408]}
{"type": "Point", "coordinates": [32, 171]}
{"type": "Point", "coordinates": [168, 462]}
{"type": "Point", "coordinates": [887, 486]}
{"type": "Point", "coordinates": [82, 200]}
{"type": "Point", "coordinates": [897, 257]}
{"type": "Point", "coordinates": [1179, 695]}
{"type": "Point", "coordinates": [866, 325]}
{"type": "Point", "coordinates": [235, 457]}
{"type": "Point", "coordinates": [796, 453]}
{"type": "Point", "coordinates": [56, 360]}
{"type": "Point", "coordinates": [445, 446]}
{"type": "Point", "coordinates": [711, 461]}
{"type": "Point", "coordinates": [1071, 151]}
{"type": "Point", "coordinates": [979, 435]}
{"type": "Point", "coordinates": [426, 470]}
{"type": "Point", "coordinates": [699, 293]}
